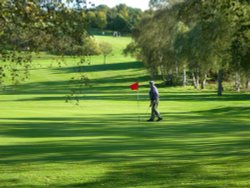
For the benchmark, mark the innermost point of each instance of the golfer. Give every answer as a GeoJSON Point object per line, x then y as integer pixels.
{"type": "Point", "coordinates": [154, 101]}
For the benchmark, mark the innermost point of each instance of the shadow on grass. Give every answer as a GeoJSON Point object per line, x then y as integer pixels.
{"type": "Point", "coordinates": [115, 84]}
{"type": "Point", "coordinates": [102, 67]}
{"type": "Point", "coordinates": [166, 174]}
{"type": "Point", "coordinates": [122, 93]}
{"type": "Point", "coordinates": [205, 97]}
{"type": "Point", "coordinates": [178, 150]}
{"type": "Point", "coordinates": [118, 130]}
{"type": "Point", "coordinates": [201, 122]}
{"type": "Point", "coordinates": [113, 80]}
{"type": "Point", "coordinates": [118, 85]}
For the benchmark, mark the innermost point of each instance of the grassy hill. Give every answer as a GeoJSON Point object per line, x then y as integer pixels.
{"type": "Point", "coordinates": [105, 142]}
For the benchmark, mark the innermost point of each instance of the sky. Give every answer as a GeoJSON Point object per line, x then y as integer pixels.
{"type": "Point", "coordinates": [142, 4]}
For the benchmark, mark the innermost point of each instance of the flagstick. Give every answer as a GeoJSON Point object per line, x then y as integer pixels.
{"type": "Point", "coordinates": [138, 105]}
{"type": "Point", "coordinates": [135, 86]}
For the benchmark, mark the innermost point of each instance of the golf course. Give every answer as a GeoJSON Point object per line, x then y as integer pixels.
{"type": "Point", "coordinates": [103, 139]}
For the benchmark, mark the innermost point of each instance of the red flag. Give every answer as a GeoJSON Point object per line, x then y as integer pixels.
{"type": "Point", "coordinates": [135, 86]}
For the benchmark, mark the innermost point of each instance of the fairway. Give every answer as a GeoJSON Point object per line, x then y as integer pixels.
{"type": "Point", "coordinates": [105, 141]}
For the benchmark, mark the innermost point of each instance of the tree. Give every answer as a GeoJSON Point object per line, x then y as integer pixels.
{"type": "Point", "coordinates": [106, 49]}
{"type": "Point", "coordinates": [101, 19]}
{"type": "Point", "coordinates": [91, 17]}
{"type": "Point", "coordinates": [229, 17]}
{"type": "Point", "coordinates": [121, 18]}
{"type": "Point", "coordinates": [163, 3]}
{"type": "Point", "coordinates": [205, 37]}
{"type": "Point", "coordinates": [31, 26]}
{"type": "Point", "coordinates": [240, 45]}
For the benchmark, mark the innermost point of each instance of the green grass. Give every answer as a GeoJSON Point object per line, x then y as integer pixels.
{"type": "Point", "coordinates": [204, 140]}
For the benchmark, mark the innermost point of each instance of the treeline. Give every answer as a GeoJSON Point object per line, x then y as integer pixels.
{"type": "Point", "coordinates": [121, 18]}
{"type": "Point", "coordinates": [42, 25]}
{"type": "Point", "coordinates": [59, 27]}
{"type": "Point", "coordinates": [198, 40]}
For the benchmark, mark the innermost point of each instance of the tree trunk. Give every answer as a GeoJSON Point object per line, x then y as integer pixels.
{"type": "Point", "coordinates": [163, 72]}
{"type": "Point", "coordinates": [184, 77]}
{"type": "Point", "coordinates": [198, 81]}
{"type": "Point", "coordinates": [170, 81]}
{"type": "Point", "coordinates": [104, 61]}
{"type": "Point", "coordinates": [176, 68]}
{"type": "Point", "coordinates": [90, 60]}
{"type": "Point", "coordinates": [220, 80]}
{"type": "Point", "coordinates": [237, 81]}
{"type": "Point", "coordinates": [247, 83]}
{"type": "Point", "coordinates": [203, 83]}
{"type": "Point", "coordinates": [195, 81]}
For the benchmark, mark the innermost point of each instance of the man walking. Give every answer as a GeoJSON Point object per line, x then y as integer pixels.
{"type": "Point", "coordinates": [154, 101]}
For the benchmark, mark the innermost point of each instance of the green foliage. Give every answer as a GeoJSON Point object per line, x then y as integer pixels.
{"type": "Point", "coordinates": [120, 18]}
{"type": "Point", "coordinates": [106, 49]}
{"type": "Point", "coordinates": [101, 19]}
{"type": "Point", "coordinates": [159, 4]}
{"type": "Point", "coordinates": [24, 23]}
{"type": "Point", "coordinates": [132, 49]}
{"type": "Point", "coordinates": [41, 25]}
{"type": "Point", "coordinates": [203, 36]}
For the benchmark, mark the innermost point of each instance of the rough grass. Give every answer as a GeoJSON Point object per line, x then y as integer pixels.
{"type": "Point", "coordinates": [104, 142]}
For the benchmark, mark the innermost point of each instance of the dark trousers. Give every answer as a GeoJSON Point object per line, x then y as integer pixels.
{"type": "Point", "coordinates": [154, 111]}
